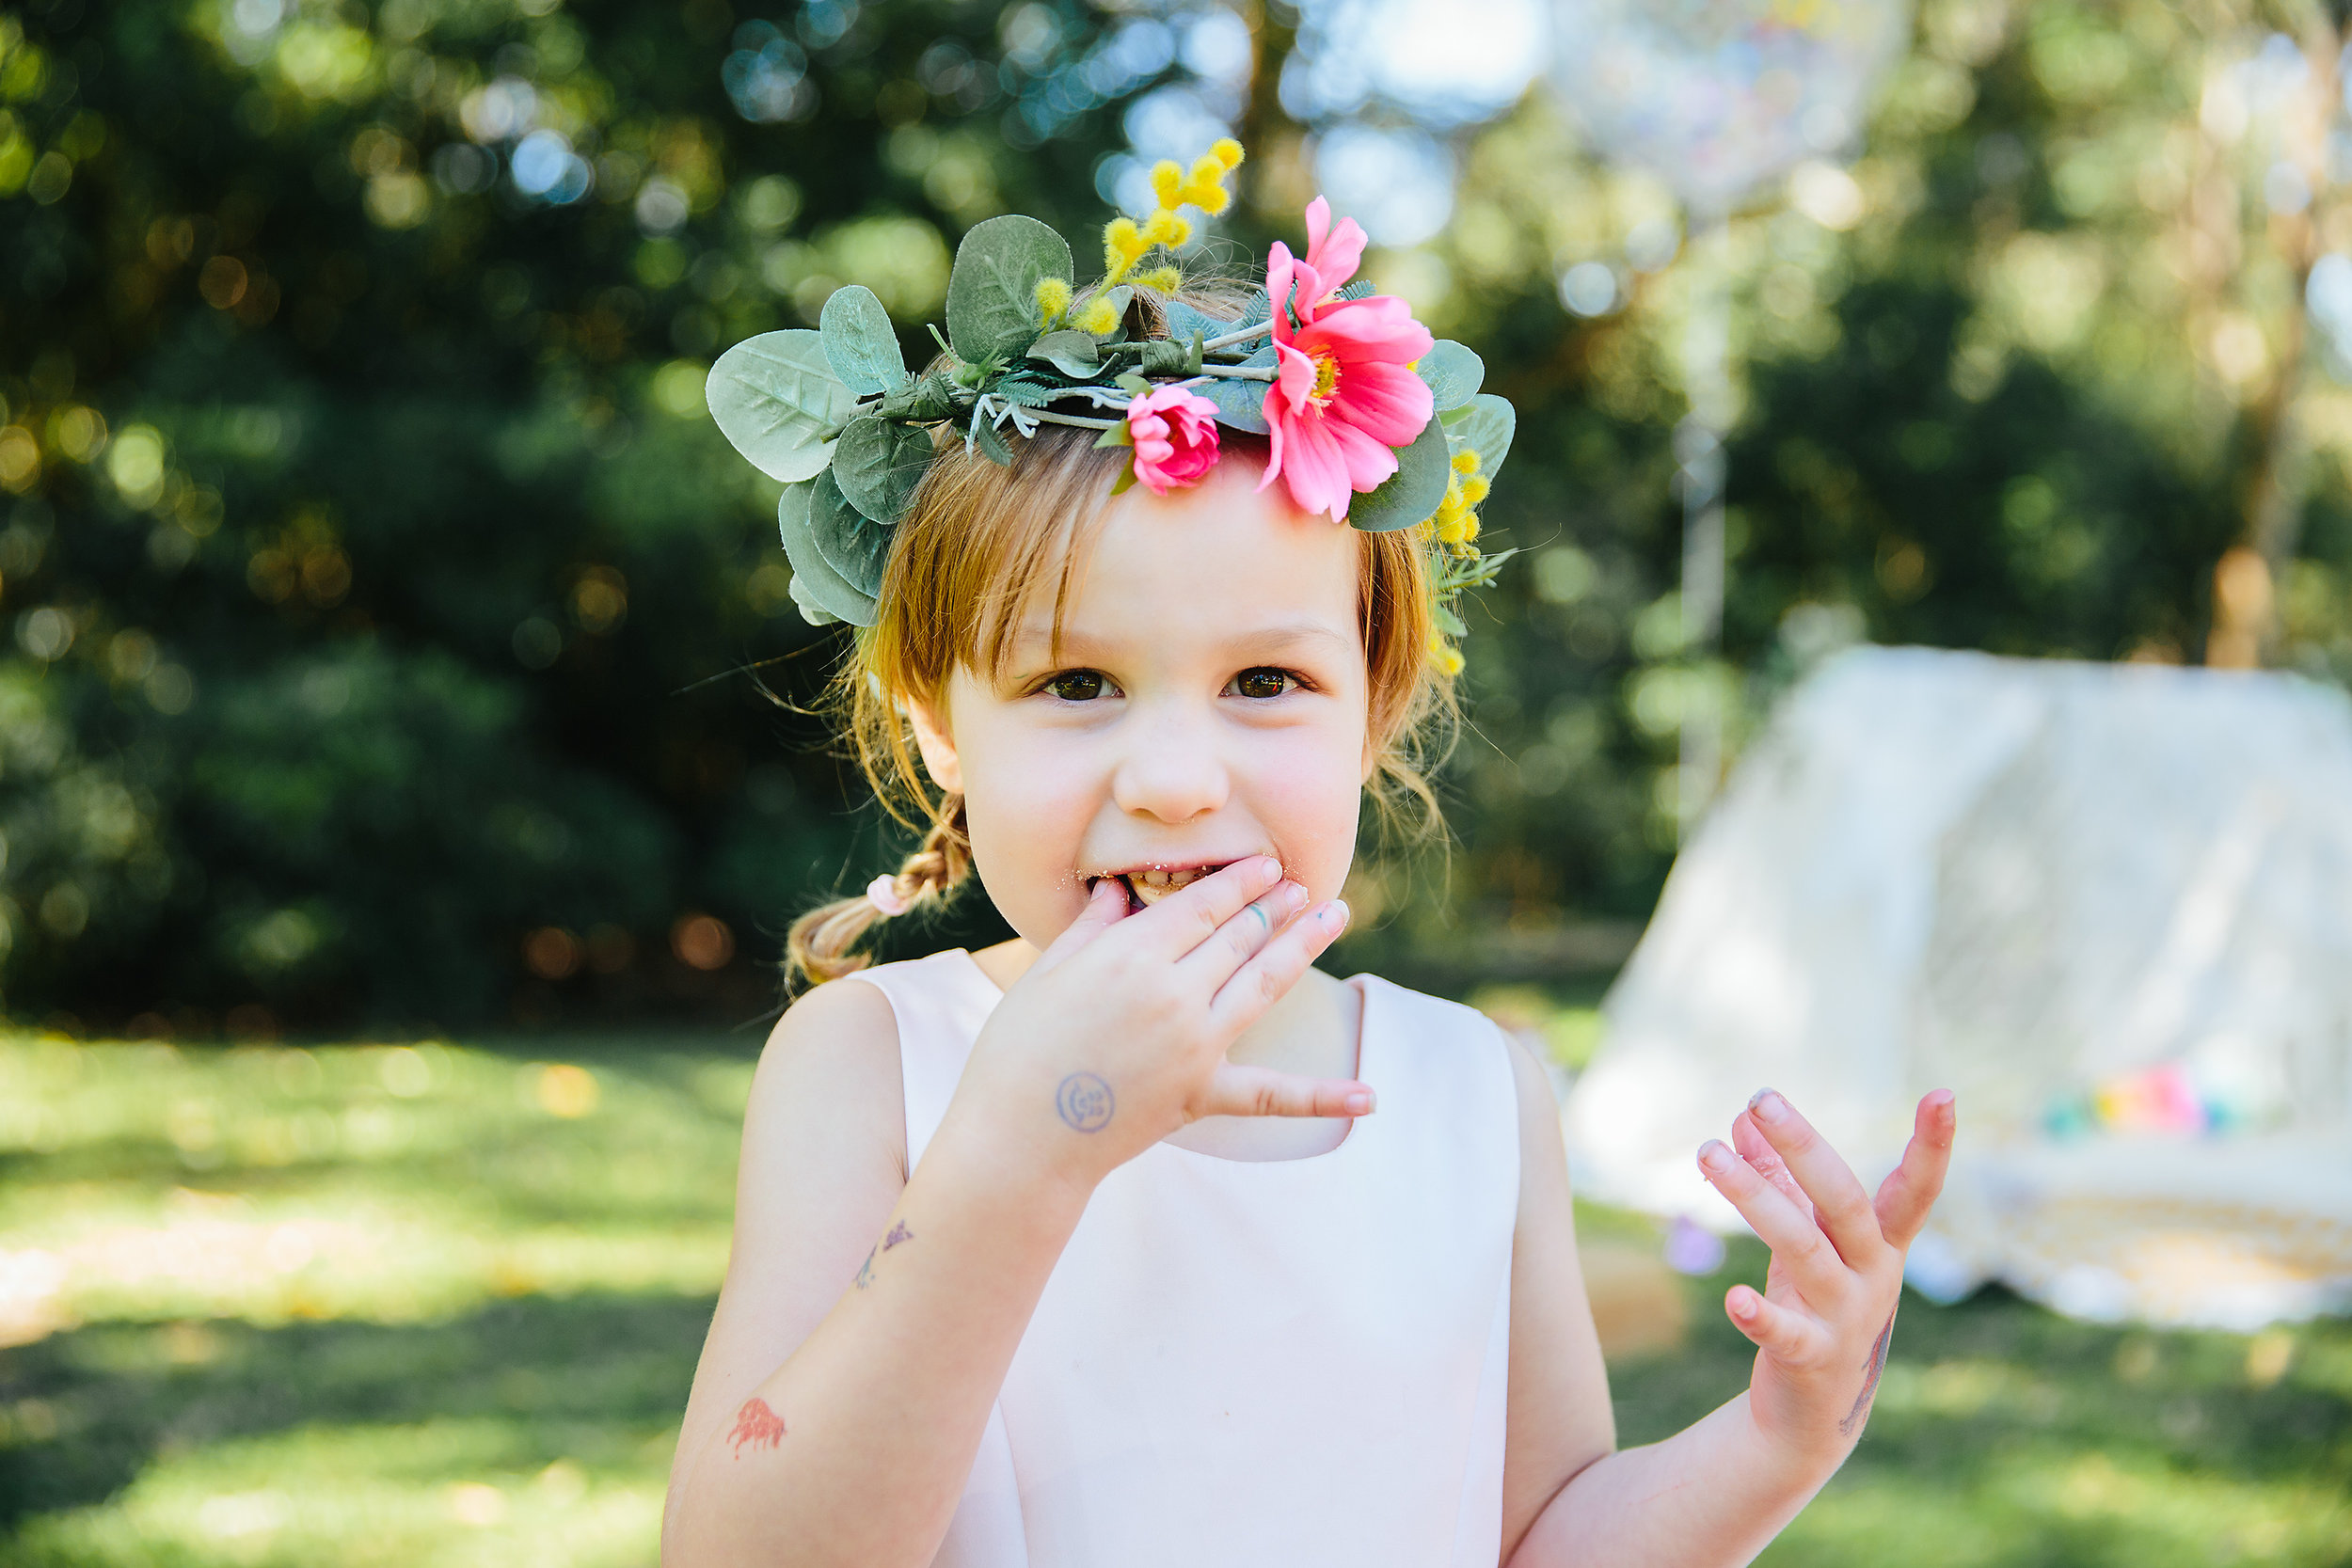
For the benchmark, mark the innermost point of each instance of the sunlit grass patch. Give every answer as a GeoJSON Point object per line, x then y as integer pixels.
{"type": "Point", "coordinates": [454, 1492]}
{"type": "Point", "coordinates": [436, 1305]}
{"type": "Point", "coordinates": [2003, 1434]}
{"type": "Point", "coordinates": [391, 1182]}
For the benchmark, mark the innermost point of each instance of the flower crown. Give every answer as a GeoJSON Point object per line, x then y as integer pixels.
{"type": "Point", "coordinates": [1368, 418]}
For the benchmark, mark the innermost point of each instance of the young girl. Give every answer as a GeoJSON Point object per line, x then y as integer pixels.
{"type": "Point", "coordinates": [1137, 1240]}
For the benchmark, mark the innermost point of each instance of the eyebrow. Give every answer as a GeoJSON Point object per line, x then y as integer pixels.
{"type": "Point", "coordinates": [1037, 636]}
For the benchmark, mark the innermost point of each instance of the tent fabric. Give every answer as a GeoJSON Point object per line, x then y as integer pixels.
{"type": "Point", "coordinates": [2109, 904]}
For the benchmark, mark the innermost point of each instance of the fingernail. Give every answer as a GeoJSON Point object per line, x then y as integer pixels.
{"type": "Point", "coordinates": [1714, 1158]}
{"type": "Point", "coordinates": [1335, 914]}
{"type": "Point", "coordinates": [1743, 1305]}
{"type": "Point", "coordinates": [1359, 1103]}
{"type": "Point", "coordinates": [1294, 895]}
{"type": "Point", "coordinates": [1768, 1105]}
{"type": "Point", "coordinates": [1268, 867]}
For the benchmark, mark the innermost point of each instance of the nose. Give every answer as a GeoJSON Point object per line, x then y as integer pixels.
{"type": "Point", "coordinates": [1170, 768]}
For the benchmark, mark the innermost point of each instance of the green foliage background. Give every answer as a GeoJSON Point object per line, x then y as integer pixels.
{"type": "Point", "coordinates": [376, 580]}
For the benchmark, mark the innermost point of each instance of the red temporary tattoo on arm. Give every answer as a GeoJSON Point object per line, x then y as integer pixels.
{"type": "Point", "coordinates": [758, 1425]}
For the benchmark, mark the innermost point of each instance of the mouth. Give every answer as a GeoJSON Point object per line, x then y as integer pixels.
{"type": "Point", "coordinates": [1146, 885]}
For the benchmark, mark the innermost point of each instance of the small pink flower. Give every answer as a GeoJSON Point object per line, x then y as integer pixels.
{"type": "Point", "coordinates": [1175, 438]}
{"type": "Point", "coordinates": [1344, 396]}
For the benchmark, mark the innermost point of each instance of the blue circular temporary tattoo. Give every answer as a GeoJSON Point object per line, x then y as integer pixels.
{"type": "Point", "coordinates": [1085, 1102]}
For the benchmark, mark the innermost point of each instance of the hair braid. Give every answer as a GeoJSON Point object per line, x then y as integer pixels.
{"type": "Point", "coordinates": [819, 945]}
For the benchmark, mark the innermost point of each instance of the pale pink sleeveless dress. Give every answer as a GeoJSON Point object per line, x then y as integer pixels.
{"type": "Point", "coordinates": [1258, 1364]}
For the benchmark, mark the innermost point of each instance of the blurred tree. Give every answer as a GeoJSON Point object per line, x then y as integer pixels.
{"type": "Point", "coordinates": [365, 547]}
{"type": "Point", "coordinates": [367, 558]}
{"type": "Point", "coordinates": [2019, 378]}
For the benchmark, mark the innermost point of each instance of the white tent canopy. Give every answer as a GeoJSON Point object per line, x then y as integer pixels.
{"type": "Point", "coordinates": [2111, 906]}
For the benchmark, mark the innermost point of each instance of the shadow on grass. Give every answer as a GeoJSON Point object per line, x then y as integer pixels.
{"type": "Point", "coordinates": [575, 1377]}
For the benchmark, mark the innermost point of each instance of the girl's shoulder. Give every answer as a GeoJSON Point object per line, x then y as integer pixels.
{"type": "Point", "coordinates": [831, 1069]}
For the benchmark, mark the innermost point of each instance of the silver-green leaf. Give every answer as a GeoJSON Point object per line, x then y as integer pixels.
{"type": "Point", "coordinates": [1409, 495]}
{"type": "Point", "coordinates": [776, 398]}
{"type": "Point", "coordinates": [878, 462]}
{"type": "Point", "coordinates": [1240, 403]}
{"type": "Point", "coordinates": [1070, 350]}
{"type": "Point", "coordinates": [854, 548]}
{"type": "Point", "coordinates": [1487, 431]}
{"type": "Point", "coordinates": [1453, 372]}
{"type": "Point", "coordinates": [860, 342]}
{"type": "Point", "coordinates": [814, 579]}
{"type": "Point", "coordinates": [991, 293]}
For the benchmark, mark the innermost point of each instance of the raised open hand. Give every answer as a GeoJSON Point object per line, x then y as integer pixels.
{"type": "Point", "coordinates": [1827, 1313]}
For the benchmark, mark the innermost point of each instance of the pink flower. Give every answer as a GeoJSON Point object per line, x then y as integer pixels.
{"type": "Point", "coordinates": [1343, 398]}
{"type": "Point", "coordinates": [1175, 438]}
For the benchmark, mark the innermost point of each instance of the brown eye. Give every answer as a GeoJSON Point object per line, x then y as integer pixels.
{"type": "Point", "coordinates": [1076, 686]}
{"type": "Point", "coordinates": [1261, 682]}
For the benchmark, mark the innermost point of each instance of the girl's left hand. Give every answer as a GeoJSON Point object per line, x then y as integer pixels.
{"type": "Point", "coordinates": [1822, 1325]}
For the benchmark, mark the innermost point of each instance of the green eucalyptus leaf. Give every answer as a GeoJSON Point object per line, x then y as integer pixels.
{"type": "Point", "coordinates": [1240, 403]}
{"type": "Point", "coordinates": [776, 398]}
{"type": "Point", "coordinates": [991, 293]}
{"type": "Point", "coordinates": [854, 548]}
{"type": "Point", "coordinates": [877, 465]}
{"type": "Point", "coordinates": [1070, 350]}
{"type": "Point", "coordinates": [1453, 373]}
{"type": "Point", "coordinates": [1487, 431]}
{"type": "Point", "coordinates": [860, 342]}
{"type": "Point", "coordinates": [1409, 495]}
{"type": "Point", "coordinates": [932, 397]}
{"type": "Point", "coordinates": [814, 614]}
{"type": "Point", "coordinates": [814, 578]}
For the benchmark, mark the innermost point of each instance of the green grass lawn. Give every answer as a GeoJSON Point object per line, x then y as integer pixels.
{"type": "Point", "coordinates": [430, 1304]}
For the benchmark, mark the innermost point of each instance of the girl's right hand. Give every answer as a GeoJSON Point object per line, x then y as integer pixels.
{"type": "Point", "coordinates": [1116, 1035]}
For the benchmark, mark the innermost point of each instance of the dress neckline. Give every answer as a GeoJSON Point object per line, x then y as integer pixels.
{"type": "Point", "coordinates": [1367, 989]}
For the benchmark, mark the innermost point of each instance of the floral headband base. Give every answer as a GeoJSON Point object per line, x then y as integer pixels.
{"type": "Point", "coordinates": [1368, 417]}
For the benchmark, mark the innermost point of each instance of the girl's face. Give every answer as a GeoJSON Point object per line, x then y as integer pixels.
{"type": "Point", "coordinates": [1208, 701]}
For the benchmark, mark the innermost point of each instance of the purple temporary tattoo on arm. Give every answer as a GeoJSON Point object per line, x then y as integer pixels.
{"type": "Point", "coordinates": [1870, 1383]}
{"type": "Point", "coordinates": [1085, 1102]}
{"type": "Point", "coordinates": [864, 1271]}
{"type": "Point", "coordinates": [898, 1233]}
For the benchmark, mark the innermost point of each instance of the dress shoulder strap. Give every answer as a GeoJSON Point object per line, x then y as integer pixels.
{"type": "Point", "coordinates": [1451, 1064]}
{"type": "Point", "coordinates": [940, 1004]}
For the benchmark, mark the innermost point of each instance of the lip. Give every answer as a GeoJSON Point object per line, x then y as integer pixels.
{"type": "Point", "coordinates": [1200, 866]}
{"type": "Point", "coordinates": [1206, 864]}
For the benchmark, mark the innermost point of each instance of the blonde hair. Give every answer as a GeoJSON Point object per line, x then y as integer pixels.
{"type": "Point", "coordinates": [978, 542]}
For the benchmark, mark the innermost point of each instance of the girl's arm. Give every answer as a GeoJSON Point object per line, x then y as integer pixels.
{"type": "Point", "coordinates": [1716, 1494]}
{"type": "Point", "coordinates": [867, 1323]}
